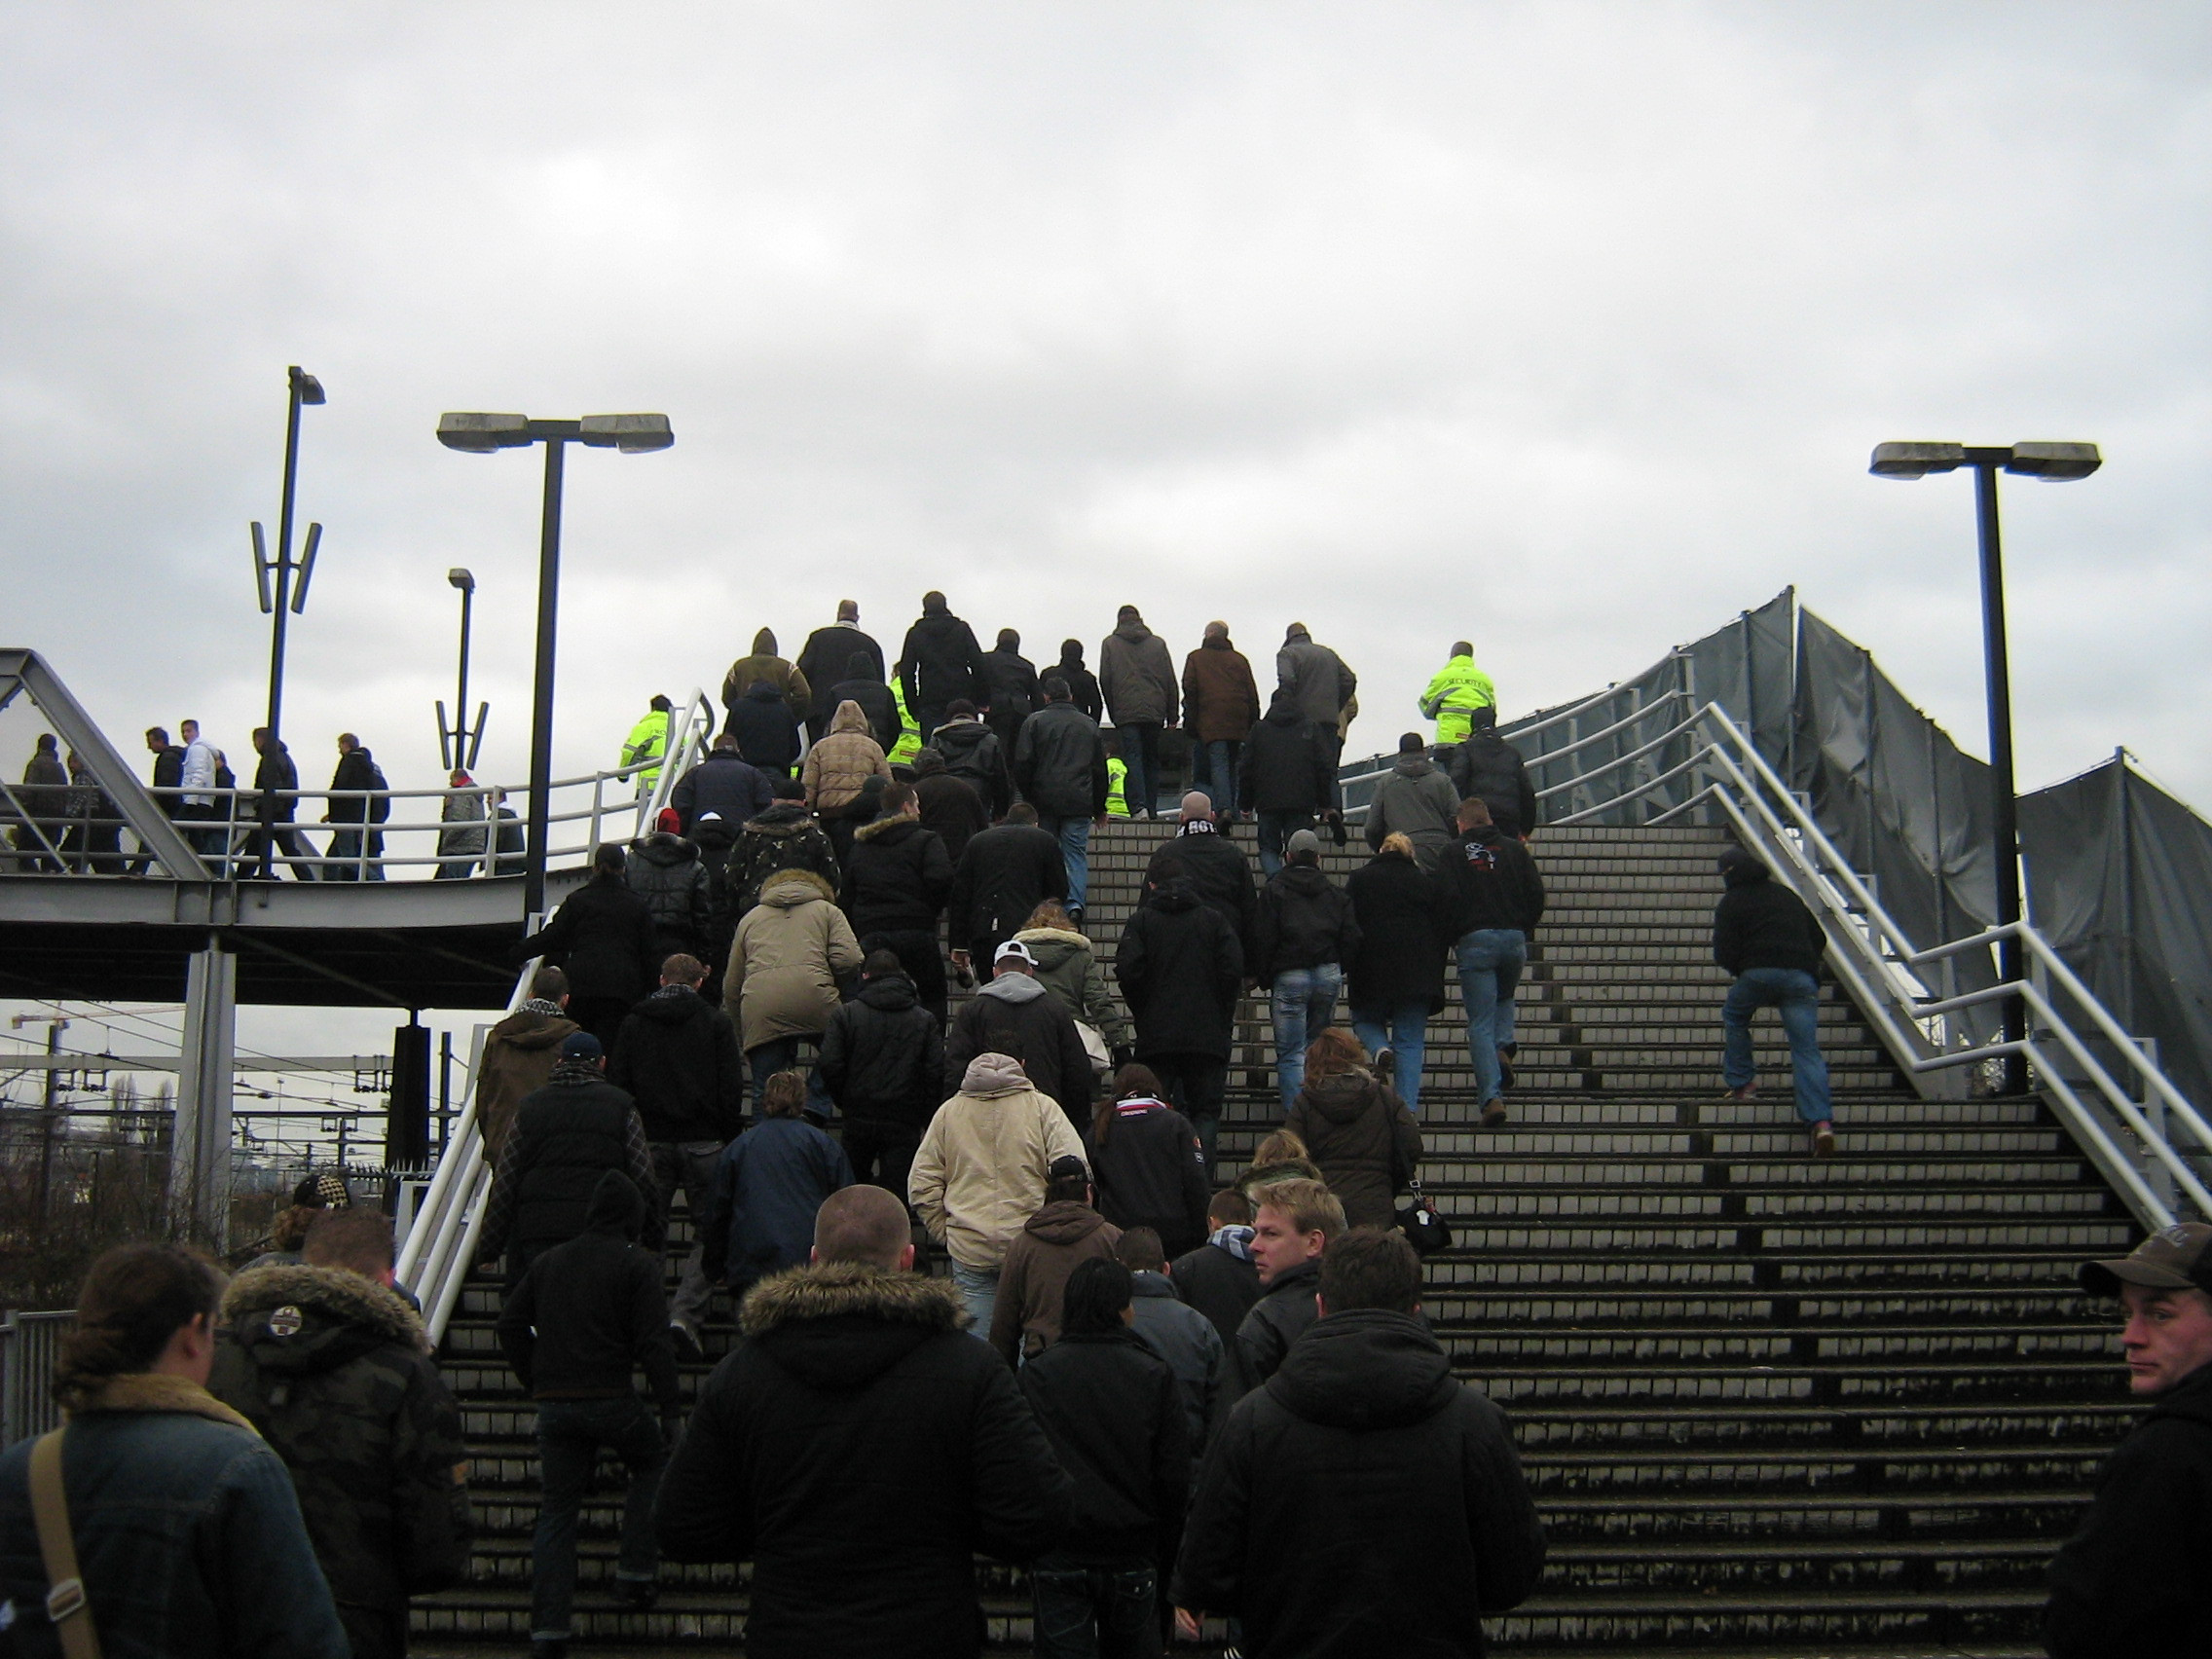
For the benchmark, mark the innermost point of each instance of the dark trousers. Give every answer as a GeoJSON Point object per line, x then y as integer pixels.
{"type": "Point", "coordinates": [601, 1017]}
{"type": "Point", "coordinates": [1140, 752]}
{"type": "Point", "coordinates": [881, 1153]}
{"type": "Point", "coordinates": [688, 1167]}
{"type": "Point", "coordinates": [918, 953]}
{"type": "Point", "coordinates": [783, 1053]}
{"type": "Point", "coordinates": [1195, 1086]}
{"type": "Point", "coordinates": [375, 1633]}
{"type": "Point", "coordinates": [569, 1434]}
{"type": "Point", "coordinates": [1097, 1612]}
{"type": "Point", "coordinates": [268, 841]}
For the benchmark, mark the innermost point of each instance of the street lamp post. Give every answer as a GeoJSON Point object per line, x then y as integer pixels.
{"type": "Point", "coordinates": [2054, 463]}
{"type": "Point", "coordinates": [458, 746]}
{"type": "Point", "coordinates": [485, 434]}
{"type": "Point", "coordinates": [303, 388]}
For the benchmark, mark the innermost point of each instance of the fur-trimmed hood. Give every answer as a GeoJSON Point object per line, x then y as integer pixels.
{"type": "Point", "coordinates": [305, 1318]}
{"type": "Point", "coordinates": [788, 889]}
{"type": "Point", "coordinates": [889, 831]}
{"type": "Point", "coordinates": [159, 1391]}
{"type": "Point", "coordinates": [840, 1325]}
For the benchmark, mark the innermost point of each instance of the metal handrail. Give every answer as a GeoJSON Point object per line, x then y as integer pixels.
{"type": "Point", "coordinates": [1880, 962]}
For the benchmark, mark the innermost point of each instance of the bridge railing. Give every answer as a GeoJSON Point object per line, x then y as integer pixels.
{"type": "Point", "coordinates": [2148, 1140]}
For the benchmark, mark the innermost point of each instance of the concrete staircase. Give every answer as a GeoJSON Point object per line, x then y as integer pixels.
{"type": "Point", "coordinates": [1769, 1403]}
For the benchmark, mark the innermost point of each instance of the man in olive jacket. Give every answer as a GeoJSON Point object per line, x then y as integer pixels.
{"type": "Point", "coordinates": [1365, 1501]}
{"type": "Point", "coordinates": [859, 1447]}
{"type": "Point", "coordinates": [333, 1368]}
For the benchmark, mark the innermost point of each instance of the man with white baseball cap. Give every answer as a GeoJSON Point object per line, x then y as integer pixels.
{"type": "Point", "coordinates": [2133, 1579]}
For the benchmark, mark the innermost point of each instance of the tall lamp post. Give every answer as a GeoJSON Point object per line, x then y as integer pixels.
{"type": "Point", "coordinates": [486, 434]}
{"type": "Point", "coordinates": [2054, 463]}
{"type": "Point", "coordinates": [284, 602]}
{"type": "Point", "coordinates": [458, 746]}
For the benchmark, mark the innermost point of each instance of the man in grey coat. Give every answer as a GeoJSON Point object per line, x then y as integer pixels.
{"type": "Point", "coordinates": [1324, 686]}
{"type": "Point", "coordinates": [1418, 801]}
{"type": "Point", "coordinates": [1137, 678]}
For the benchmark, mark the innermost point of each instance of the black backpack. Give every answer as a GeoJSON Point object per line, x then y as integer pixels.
{"type": "Point", "coordinates": [380, 807]}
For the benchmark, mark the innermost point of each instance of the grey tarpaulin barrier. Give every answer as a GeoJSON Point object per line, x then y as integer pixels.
{"type": "Point", "coordinates": [2119, 881]}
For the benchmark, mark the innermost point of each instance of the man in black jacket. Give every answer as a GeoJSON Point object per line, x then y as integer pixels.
{"type": "Point", "coordinates": [724, 785]}
{"type": "Point", "coordinates": [883, 1060]}
{"type": "Point", "coordinates": [169, 776]}
{"type": "Point", "coordinates": [566, 1135]}
{"type": "Point", "coordinates": [1220, 1278]}
{"type": "Point", "coordinates": [1763, 934]}
{"type": "Point", "coordinates": [334, 1369]}
{"type": "Point", "coordinates": [677, 1059]}
{"type": "Point", "coordinates": [1485, 765]}
{"type": "Point", "coordinates": [1291, 1225]}
{"type": "Point", "coordinates": [1365, 1501]}
{"type": "Point", "coordinates": [2131, 1580]}
{"type": "Point", "coordinates": [949, 807]}
{"type": "Point", "coordinates": [895, 888]}
{"type": "Point", "coordinates": [1081, 684]}
{"type": "Point", "coordinates": [938, 663]}
{"type": "Point", "coordinates": [356, 770]}
{"type": "Point", "coordinates": [602, 935]}
{"type": "Point", "coordinates": [1303, 934]}
{"type": "Point", "coordinates": [1060, 766]}
{"type": "Point", "coordinates": [828, 659]}
{"type": "Point", "coordinates": [1181, 971]}
{"type": "Point", "coordinates": [1000, 878]}
{"type": "Point", "coordinates": [1010, 690]}
{"type": "Point", "coordinates": [1213, 865]}
{"type": "Point", "coordinates": [1114, 1412]}
{"type": "Point", "coordinates": [974, 754]}
{"type": "Point", "coordinates": [276, 802]}
{"type": "Point", "coordinates": [1014, 1014]}
{"type": "Point", "coordinates": [1497, 898]}
{"type": "Point", "coordinates": [860, 1446]}
{"type": "Point", "coordinates": [766, 730]}
{"type": "Point", "coordinates": [1284, 776]}
{"type": "Point", "coordinates": [588, 1314]}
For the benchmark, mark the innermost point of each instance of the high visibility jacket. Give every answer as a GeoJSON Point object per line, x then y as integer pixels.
{"type": "Point", "coordinates": [647, 741]}
{"type": "Point", "coordinates": [1117, 797]}
{"type": "Point", "coordinates": [910, 744]}
{"type": "Point", "coordinates": [1458, 688]}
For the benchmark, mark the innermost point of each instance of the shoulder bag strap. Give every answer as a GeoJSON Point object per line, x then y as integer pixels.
{"type": "Point", "coordinates": [65, 1604]}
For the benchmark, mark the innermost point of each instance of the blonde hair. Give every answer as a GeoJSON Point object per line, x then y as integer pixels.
{"type": "Point", "coordinates": [1281, 1147]}
{"type": "Point", "coordinates": [1050, 914]}
{"type": "Point", "coordinates": [1311, 1207]}
{"type": "Point", "coordinates": [1395, 844]}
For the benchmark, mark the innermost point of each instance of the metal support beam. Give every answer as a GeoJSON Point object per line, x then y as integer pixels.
{"type": "Point", "coordinates": [199, 1152]}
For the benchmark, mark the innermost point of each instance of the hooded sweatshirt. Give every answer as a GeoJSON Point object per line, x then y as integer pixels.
{"type": "Point", "coordinates": [1418, 801]}
{"type": "Point", "coordinates": [1083, 684]}
{"type": "Point", "coordinates": [765, 664]}
{"type": "Point", "coordinates": [1026, 1319]}
{"type": "Point", "coordinates": [784, 964]}
{"type": "Point", "coordinates": [518, 1059]}
{"type": "Point", "coordinates": [593, 1310]}
{"type": "Point", "coordinates": [1760, 923]}
{"type": "Point", "coordinates": [677, 1059]}
{"type": "Point", "coordinates": [1137, 677]}
{"type": "Point", "coordinates": [1068, 967]}
{"type": "Point", "coordinates": [939, 663]}
{"type": "Point", "coordinates": [980, 1173]}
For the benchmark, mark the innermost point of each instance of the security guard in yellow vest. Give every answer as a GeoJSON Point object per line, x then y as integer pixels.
{"type": "Point", "coordinates": [648, 741]}
{"type": "Point", "coordinates": [1116, 796]}
{"type": "Point", "coordinates": [1458, 689]}
{"type": "Point", "coordinates": [910, 744]}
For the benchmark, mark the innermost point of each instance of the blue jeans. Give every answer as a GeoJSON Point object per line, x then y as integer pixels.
{"type": "Point", "coordinates": [1074, 837]}
{"type": "Point", "coordinates": [1213, 769]}
{"type": "Point", "coordinates": [1490, 960]}
{"type": "Point", "coordinates": [781, 1054]}
{"type": "Point", "coordinates": [569, 1434]}
{"type": "Point", "coordinates": [1277, 828]}
{"type": "Point", "coordinates": [979, 1288]}
{"type": "Point", "coordinates": [1140, 752]}
{"type": "Point", "coordinates": [1305, 1002]}
{"type": "Point", "coordinates": [1797, 995]}
{"type": "Point", "coordinates": [1404, 1031]}
{"type": "Point", "coordinates": [1095, 1612]}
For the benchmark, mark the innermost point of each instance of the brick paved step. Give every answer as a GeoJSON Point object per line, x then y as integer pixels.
{"type": "Point", "coordinates": [1484, 1347]}
{"type": "Point", "coordinates": [1693, 1430]}
{"type": "Point", "coordinates": [1992, 1381]}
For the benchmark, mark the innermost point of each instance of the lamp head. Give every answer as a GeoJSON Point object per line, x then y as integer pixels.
{"type": "Point", "coordinates": [304, 386]}
{"type": "Point", "coordinates": [482, 435]}
{"type": "Point", "coordinates": [461, 580]}
{"type": "Point", "coordinates": [632, 434]}
{"type": "Point", "coordinates": [2054, 464]}
{"type": "Point", "coordinates": [1916, 461]}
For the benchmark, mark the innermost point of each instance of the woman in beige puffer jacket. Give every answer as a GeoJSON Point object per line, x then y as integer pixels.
{"type": "Point", "coordinates": [782, 978]}
{"type": "Point", "coordinates": [842, 762]}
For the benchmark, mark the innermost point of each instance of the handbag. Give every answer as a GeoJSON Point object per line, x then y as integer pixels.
{"type": "Point", "coordinates": [65, 1605]}
{"type": "Point", "coordinates": [1094, 1045]}
{"type": "Point", "coordinates": [1424, 1228]}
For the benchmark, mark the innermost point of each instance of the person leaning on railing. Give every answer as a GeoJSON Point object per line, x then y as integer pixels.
{"type": "Point", "coordinates": [167, 1521]}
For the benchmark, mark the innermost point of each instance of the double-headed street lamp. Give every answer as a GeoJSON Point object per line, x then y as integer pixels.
{"type": "Point", "coordinates": [458, 746]}
{"type": "Point", "coordinates": [2054, 463]}
{"type": "Point", "coordinates": [303, 389]}
{"type": "Point", "coordinates": [484, 434]}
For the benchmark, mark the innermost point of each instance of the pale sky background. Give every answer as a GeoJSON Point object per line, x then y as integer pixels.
{"type": "Point", "coordinates": [1566, 327]}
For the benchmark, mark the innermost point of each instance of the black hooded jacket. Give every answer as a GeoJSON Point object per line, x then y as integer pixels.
{"type": "Point", "coordinates": [1059, 760]}
{"type": "Point", "coordinates": [1003, 876]}
{"type": "Point", "coordinates": [1360, 1135]}
{"type": "Point", "coordinates": [859, 1447]}
{"type": "Point", "coordinates": [666, 872]}
{"type": "Point", "coordinates": [896, 878]}
{"type": "Point", "coordinates": [864, 685]}
{"type": "Point", "coordinates": [1181, 971]}
{"type": "Point", "coordinates": [1492, 882]}
{"type": "Point", "coordinates": [974, 755]}
{"type": "Point", "coordinates": [1487, 767]}
{"type": "Point", "coordinates": [1217, 871]}
{"type": "Point", "coordinates": [940, 662]}
{"type": "Point", "coordinates": [677, 1057]}
{"type": "Point", "coordinates": [603, 936]}
{"type": "Point", "coordinates": [590, 1311]}
{"type": "Point", "coordinates": [1150, 1171]}
{"type": "Point", "coordinates": [1364, 1502]}
{"type": "Point", "coordinates": [335, 1372]}
{"type": "Point", "coordinates": [1285, 768]}
{"type": "Point", "coordinates": [1760, 923]}
{"type": "Point", "coordinates": [1114, 1413]}
{"type": "Point", "coordinates": [827, 661]}
{"type": "Point", "coordinates": [2131, 1580]}
{"type": "Point", "coordinates": [1302, 920]}
{"type": "Point", "coordinates": [762, 722]}
{"type": "Point", "coordinates": [1008, 684]}
{"type": "Point", "coordinates": [1405, 930]}
{"type": "Point", "coordinates": [883, 1054]}
{"type": "Point", "coordinates": [1017, 1016]}
{"type": "Point", "coordinates": [1083, 684]}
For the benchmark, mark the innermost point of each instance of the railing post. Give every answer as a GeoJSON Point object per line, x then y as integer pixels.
{"type": "Point", "coordinates": [200, 1146]}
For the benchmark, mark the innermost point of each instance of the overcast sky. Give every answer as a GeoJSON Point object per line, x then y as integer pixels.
{"type": "Point", "coordinates": [1563, 327]}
